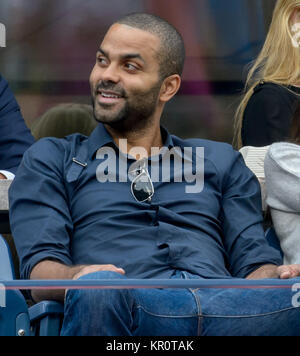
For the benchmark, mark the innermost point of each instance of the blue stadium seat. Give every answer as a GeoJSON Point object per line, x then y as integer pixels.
{"type": "Point", "coordinates": [14, 316]}
{"type": "Point", "coordinates": [16, 319]}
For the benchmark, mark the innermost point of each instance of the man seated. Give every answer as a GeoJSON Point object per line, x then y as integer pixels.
{"type": "Point", "coordinates": [133, 201]}
{"type": "Point", "coordinates": [15, 137]}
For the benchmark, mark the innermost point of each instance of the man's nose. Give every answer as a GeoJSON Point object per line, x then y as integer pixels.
{"type": "Point", "coordinates": [111, 74]}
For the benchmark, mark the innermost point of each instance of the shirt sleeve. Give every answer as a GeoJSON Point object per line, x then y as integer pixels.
{"type": "Point", "coordinates": [282, 168]}
{"type": "Point", "coordinates": [244, 238]}
{"type": "Point", "coordinates": [267, 117]}
{"type": "Point", "coordinates": [8, 175]}
{"type": "Point", "coordinates": [15, 137]}
{"type": "Point", "coordinates": [39, 214]}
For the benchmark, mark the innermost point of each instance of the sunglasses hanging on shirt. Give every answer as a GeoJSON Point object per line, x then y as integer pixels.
{"type": "Point", "coordinates": [142, 187]}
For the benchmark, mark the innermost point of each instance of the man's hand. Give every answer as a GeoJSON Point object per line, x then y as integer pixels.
{"type": "Point", "coordinates": [2, 176]}
{"type": "Point", "coordinates": [288, 271]}
{"type": "Point", "coordinates": [97, 268]}
{"type": "Point", "coordinates": [272, 271]}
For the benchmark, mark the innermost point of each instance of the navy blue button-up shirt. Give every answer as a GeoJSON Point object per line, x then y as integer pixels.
{"type": "Point", "coordinates": [83, 211]}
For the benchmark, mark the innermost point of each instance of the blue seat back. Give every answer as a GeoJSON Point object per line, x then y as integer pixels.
{"type": "Point", "coordinates": [6, 263]}
{"type": "Point", "coordinates": [14, 317]}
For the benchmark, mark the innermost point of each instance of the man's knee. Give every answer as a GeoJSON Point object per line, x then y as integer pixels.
{"type": "Point", "coordinates": [106, 311]}
{"type": "Point", "coordinates": [93, 297]}
{"type": "Point", "coordinates": [102, 275]}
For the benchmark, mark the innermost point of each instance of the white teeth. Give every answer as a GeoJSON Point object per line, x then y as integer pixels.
{"type": "Point", "coordinates": [110, 96]}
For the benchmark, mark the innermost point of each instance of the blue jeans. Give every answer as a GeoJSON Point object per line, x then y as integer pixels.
{"type": "Point", "coordinates": [179, 312]}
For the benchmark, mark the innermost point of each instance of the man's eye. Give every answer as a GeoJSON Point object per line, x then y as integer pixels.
{"type": "Point", "coordinates": [130, 67]}
{"type": "Point", "coordinates": [101, 60]}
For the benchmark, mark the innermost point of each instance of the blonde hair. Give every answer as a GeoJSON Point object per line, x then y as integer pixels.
{"type": "Point", "coordinates": [278, 61]}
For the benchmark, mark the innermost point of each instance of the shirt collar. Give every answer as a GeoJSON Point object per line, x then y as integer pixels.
{"type": "Point", "coordinates": [100, 137]}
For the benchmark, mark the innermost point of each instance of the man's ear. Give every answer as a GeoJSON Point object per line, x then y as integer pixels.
{"type": "Point", "coordinates": [295, 16]}
{"type": "Point", "coordinates": [170, 87]}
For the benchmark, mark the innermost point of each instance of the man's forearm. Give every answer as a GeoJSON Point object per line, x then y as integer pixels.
{"type": "Point", "coordinates": [52, 270]}
{"type": "Point", "coordinates": [55, 270]}
{"type": "Point", "coordinates": [266, 271]}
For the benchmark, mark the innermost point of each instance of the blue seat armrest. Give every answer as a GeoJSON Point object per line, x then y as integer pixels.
{"type": "Point", "coordinates": [46, 318]}
{"type": "Point", "coordinates": [44, 309]}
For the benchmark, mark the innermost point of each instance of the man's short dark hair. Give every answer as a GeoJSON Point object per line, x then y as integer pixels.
{"type": "Point", "coordinates": [172, 52]}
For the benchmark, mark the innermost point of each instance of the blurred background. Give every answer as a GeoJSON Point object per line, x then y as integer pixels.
{"type": "Point", "coordinates": [51, 46]}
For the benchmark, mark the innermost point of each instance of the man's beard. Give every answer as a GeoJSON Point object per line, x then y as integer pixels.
{"type": "Point", "coordinates": [134, 114]}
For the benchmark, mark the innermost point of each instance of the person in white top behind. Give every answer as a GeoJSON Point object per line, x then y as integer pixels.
{"type": "Point", "coordinates": [282, 175]}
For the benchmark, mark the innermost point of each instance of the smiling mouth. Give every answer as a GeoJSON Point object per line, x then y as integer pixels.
{"type": "Point", "coordinates": [106, 97]}
{"type": "Point", "coordinates": [109, 96]}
